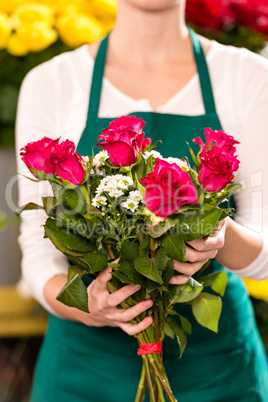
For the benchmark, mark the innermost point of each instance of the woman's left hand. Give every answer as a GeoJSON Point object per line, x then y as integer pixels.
{"type": "Point", "coordinates": [198, 252]}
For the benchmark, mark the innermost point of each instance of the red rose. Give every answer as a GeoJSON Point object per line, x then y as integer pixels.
{"type": "Point", "coordinates": [218, 161]}
{"type": "Point", "coordinates": [216, 168]}
{"type": "Point", "coordinates": [223, 141]}
{"type": "Point", "coordinates": [123, 140]}
{"type": "Point", "coordinates": [252, 13]}
{"type": "Point", "coordinates": [37, 155]}
{"type": "Point", "coordinates": [49, 157]}
{"type": "Point", "coordinates": [208, 14]}
{"type": "Point", "coordinates": [68, 164]}
{"type": "Point", "coordinates": [167, 188]}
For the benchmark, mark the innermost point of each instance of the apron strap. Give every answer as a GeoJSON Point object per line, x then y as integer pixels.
{"type": "Point", "coordinates": [203, 74]}
{"type": "Point", "coordinates": [96, 85]}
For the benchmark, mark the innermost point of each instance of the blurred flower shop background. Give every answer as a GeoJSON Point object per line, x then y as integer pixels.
{"type": "Point", "coordinates": [31, 32]}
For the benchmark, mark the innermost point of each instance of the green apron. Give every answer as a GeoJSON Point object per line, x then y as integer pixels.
{"type": "Point", "coordinates": [81, 364]}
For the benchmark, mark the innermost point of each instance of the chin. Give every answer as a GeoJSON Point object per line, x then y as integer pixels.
{"type": "Point", "coordinates": [154, 5]}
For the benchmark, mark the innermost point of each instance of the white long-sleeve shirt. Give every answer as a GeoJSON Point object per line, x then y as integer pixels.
{"type": "Point", "coordinates": [53, 102]}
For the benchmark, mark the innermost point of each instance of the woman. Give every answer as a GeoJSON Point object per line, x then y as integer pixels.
{"type": "Point", "coordinates": [151, 71]}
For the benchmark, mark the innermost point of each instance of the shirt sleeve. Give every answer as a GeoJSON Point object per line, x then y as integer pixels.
{"type": "Point", "coordinates": [37, 116]}
{"type": "Point", "coordinates": [252, 201]}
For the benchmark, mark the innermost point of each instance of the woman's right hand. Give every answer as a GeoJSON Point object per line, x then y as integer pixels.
{"type": "Point", "coordinates": [103, 306]}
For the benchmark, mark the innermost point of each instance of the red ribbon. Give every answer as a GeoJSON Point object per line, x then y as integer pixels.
{"type": "Point", "coordinates": [145, 348]}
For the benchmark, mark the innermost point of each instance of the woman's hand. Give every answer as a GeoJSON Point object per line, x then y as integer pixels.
{"type": "Point", "coordinates": [198, 252]}
{"type": "Point", "coordinates": [103, 306]}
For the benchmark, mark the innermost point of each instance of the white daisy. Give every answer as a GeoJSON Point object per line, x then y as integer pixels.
{"type": "Point", "coordinates": [99, 200]}
{"type": "Point", "coordinates": [130, 204]}
{"type": "Point", "coordinates": [135, 195]}
{"type": "Point", "coordinates": [156, 154]}
{"type": "Point", "coordinates": [123, 181]}
{"type": "Point", "coordinates": [100, 158]}
{"type": "Point", "coordinates": [178, 162]}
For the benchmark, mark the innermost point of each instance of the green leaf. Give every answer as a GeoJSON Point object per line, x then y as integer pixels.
{"type": "Point", "coordinates": [185, 293]}
{"type": "Point", "coordinates": [217, 281]}
{"type": "Point", "coordinates": [168, 272]}
{"type": "Point", "coordinates": [207, 310]}
{"type": "Point", "coordinates": [28, 207]}
{"type": "Point", "coordinates": [66, 238]}
{"type": "Point", "coordinates": [180, 334]}
{"type": "Point", "coordinates": [72, 271]}
{"type": "Point", "coordinates": [196, 224]}
{"type": "Point", "coordinates": [73, 199]}
{"type": "Point", "coordinates": [97, 261]}
{"type": "Point", "coordinates": [227, 192]}
{"type": "Point", "coordinates": [160, 259]}
{"type": "Point", "coordinates": [74, 294]}
{"type": "Point", "coordinates": [174, 245]}
{"type": "Point", "coordinates": [129, 250]}
{"type": "Point", "coordinates": [49, 204]}
{"type": "Point", "coordinates": [159, 229]}
{"type": "Point", "coordinates": [139, 169]}
{"type": "Point", "coordinates": [186, 325]}
{"type": "Point", "coordinates": [128, 269]}
{"type": "Point", "coordinates": [168, 331]}
{"type": "Point", "coordinates": [146, 267]}
{"type": "Point", "coordinates": [196, 162]}
{"type": "Point", "coordinates": [140, 187]}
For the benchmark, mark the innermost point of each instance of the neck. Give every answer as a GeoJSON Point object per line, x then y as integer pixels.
{"type": "Point", "coordinates": [146, 37]}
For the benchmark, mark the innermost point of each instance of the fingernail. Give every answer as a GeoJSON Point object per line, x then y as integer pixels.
{"type": "Point", "coordinates": [148, 303]}
{"type": "Point", "coordinates": [134, 287]}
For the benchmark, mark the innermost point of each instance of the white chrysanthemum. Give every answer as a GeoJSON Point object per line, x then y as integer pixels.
{"type": "Point", "coordinates": [85, 158]}
{"type": "Point", "coordinates": [178, 162]}
{"type": "Point", "coordinates": [135, 195]}
{"type": "Point", "coordinates": [115, 192]}
{"type": "Point", "coordinates": [113, 185]}
{"type": "Point", "coordinates": [122, 181]}
{"type": "Point", "coordinates": [130, 204]}
{"type": "Point", "coordinates": [99, 200]}
{"type": "Point", "coordinates": [100, 158]}
{"type": "Point", "coordinates": [156, 154]}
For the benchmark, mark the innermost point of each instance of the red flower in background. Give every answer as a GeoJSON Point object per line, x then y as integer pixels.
{"type": "Point", "coordinates": [251, 13]}
{"type": "Point", "coordinates": [219, 15]}
{"type": "Point", "coordinates": [210, 14]}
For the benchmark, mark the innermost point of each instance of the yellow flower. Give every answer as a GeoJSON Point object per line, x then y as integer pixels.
{"type": "Point", "coordinates": [28, 14]}
{"type": "Point", "coordinates": [9, 5]}
{"type": "Point", "coordinates": [257, 289]}
{"type": "Point", "coordinates": [105, 9]}
{"type": "Point", "coordinates": [35, 39]}
{"type": "Point", "coordinates": [5, 29]}
{"type": "Point", "coordinates": [77, 29]}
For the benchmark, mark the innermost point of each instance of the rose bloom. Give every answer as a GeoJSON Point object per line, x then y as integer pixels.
{"type": "Point", "coordinates": [49, 157]}
{"type": "Point", "coordinates": [218, 161]}
{"type": "Point", "coordinates": [37, 155]}
{"type": "Point", "coordinates": [123, 140]}
{"type": "Point", "coordinates": [69, 165]}
{"type": "Point", "coordinates": [251, 13]}
{"type": "Point", "coordinates": [209, 14]}
{"type": "Point", "coordinates": [167, 188]}
{"type": "Point", "coordinates": [222, 140]}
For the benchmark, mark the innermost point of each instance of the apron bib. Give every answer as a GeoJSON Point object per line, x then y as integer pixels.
{"type": "Point", "coordinates": [87, 364]}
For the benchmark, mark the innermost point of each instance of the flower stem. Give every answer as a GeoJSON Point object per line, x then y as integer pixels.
{"type": "Point", "coordinates": [142, 386]}
{"type": "Point", "coordinates": [149, 378]}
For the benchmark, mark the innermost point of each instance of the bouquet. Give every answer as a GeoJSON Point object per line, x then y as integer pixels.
{"type": "Point", "coordinates": [129, 203]}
